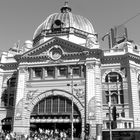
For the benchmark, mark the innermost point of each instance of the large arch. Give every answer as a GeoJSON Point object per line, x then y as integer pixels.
{"type": "Point", "coordinates": [55, 92]}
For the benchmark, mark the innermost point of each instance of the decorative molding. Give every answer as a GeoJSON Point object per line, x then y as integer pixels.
{"type": "Point", "coordinates": [30, 94]}
{"type": "Point", "coordinates": [80, 93]}
{"type": "Point", "coordinates": [90, 65]}
{"type": "Point", "coordinates": [23, 69]}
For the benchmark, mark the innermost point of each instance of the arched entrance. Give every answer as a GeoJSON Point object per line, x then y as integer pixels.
{"type": "Point", "coordinates": [54, 113]}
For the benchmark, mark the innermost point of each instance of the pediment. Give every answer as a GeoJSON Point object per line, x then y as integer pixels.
{"type": "Point", "coordinates": [56, 49]}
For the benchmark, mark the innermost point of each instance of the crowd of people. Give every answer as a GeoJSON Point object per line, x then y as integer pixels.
{"type": "Point", "coordinates": [41, 134]}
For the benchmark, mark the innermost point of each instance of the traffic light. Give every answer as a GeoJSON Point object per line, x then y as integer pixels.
{"type": "Point", "coordinates": [114, 114]}
{"type": "Point", "coordinates": [87, 129]}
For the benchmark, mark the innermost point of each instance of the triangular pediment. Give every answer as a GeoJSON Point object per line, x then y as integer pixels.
{"type": "Point", "coordinates": [55, 48]}
{"type": "Point", "coordinates": [67, 46]}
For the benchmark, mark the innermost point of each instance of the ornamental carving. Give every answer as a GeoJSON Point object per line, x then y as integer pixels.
{"type": "Point", "coordinates": [19, 109]}
{"type": "Point", "coordinates": [91, 65]}
{"type": "Point", "coordinates": [91, 109]}
{"type": "Point", "coordinates": [30, 94]}
{"type": "Point", "coordinates": [91, 41]}
{"type": "Point", "coordinates": [23, 69]}
{"type": "Point", "coordinates": [79, 93]}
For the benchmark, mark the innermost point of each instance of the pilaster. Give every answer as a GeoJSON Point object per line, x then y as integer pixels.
{"type": "Point", "coordinates": [1, 82]}
{"type": "Point", "coordinates": [94, 99]}
{"type": "Point", "coordinates": [98, 98]}
{"type": "Point", "coordinates": [20, 125]}
{"type": "Point", "coordinates": [135, 98]}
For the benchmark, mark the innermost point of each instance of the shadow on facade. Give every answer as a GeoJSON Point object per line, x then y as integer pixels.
{"type": "Point", "coordinates": [8, 102]}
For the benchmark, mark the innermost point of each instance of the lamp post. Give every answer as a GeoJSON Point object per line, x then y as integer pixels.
{"type": "Point", "coordinates": [110, 130]}
{"type": "Point", "coordinates": [72, 104]}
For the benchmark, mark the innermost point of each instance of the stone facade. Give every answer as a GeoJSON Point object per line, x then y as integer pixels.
{"type": "Point", "coordinates": [39, 83]}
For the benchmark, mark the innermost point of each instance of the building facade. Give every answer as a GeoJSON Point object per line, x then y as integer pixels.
{"type": "Point", "coordinates": [64, 77]}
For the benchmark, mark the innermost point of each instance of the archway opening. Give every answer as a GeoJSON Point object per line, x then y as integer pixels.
{"type": "Point", "coordinates": [54, 114]}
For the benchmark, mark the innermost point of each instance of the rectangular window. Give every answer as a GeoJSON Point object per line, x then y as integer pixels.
{"type": "Point", "coordinates": [76, 71]}
{"type": "Point", "coordinates": [121, 97]}
{"type": "Point", "coordinates": [62, 105]}
{"type": "Point", "coordinates": [62, 71]}
{"type": "Point", "coordinates": [35, 109]}
{"type": "Point", "coordinates": [11, 98]}
{"type": "Point", "coordinates": [41, 107]}
{"type": "Point", "coordinates": [37, 72]}
{"type": "Point", "coordinates": [50, 72]}
{"type": "Point", "coordinates": [107, 96]}
{"type": "Point", "coordinates": [55, 105]}
{"type": "Point", "coordinates": [48, 105]}
{"type": "Point", "coordinates": [69, 106]}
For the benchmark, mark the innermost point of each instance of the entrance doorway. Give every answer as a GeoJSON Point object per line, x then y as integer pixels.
{"type": "Point", "coordinates": [54, 113]}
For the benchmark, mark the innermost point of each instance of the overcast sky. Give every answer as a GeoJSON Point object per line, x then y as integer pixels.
{"type": "Point", "coordinates": [20, 18]}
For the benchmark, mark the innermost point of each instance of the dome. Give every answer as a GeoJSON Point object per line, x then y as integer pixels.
{"type": "Point", "coordinates": [67, 20]}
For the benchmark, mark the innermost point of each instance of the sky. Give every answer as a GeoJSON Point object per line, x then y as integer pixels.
{"type": "Point", "coordinates": [20, 18]}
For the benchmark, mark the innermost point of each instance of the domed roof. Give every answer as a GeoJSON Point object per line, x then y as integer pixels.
{"type": "Point", "coordinates": [67, 20]}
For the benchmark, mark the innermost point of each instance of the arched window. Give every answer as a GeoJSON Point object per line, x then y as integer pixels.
{"type": "Point", "coordinates": [8, 95]}
{"type": "Point", "coordinates": [55, 105]}
{"type": "Point", "coordinates": [114, 92]}
{"type": "Point", "coordinates": [11, 82]}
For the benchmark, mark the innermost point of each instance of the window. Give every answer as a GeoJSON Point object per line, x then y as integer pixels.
{"type": "Point", "coordinates": [7, 98]}
{"type": "Point", "coordinates": [11, 82]}
{"type": "Point", "coordinates": [38, 72]}
{"type": "Point", "coordinates": [123, 114]}
{"type": "Point", "coordinates": [114, 98]}
{"type": "Point", "coordinates": [62, 71]}
{"type": "Point", "coordinates": [114, 93]}
{"type": "Point", "coordinates": [130, 125]}
{"type": "Point", "coordinates": [56, 26]}
{"type": "Point", "coordinates": [125, 125]}
{"type": "Point", "coordinates": [113, 77]}
{"type": "Point", "coordinates": [11, 100]}
{"type": "Point", "coordinates": [55, 105]}
{"type": "Point", "coordinates": [107, 115]}
{"type": "Point", "coordinates": [76, 71]}
{"type": "Point", "coordinates": [4, 98]}
{"type": "Point", "coordinates": [50, 72]}
{"type": "Point", "coordinates": [107, 125]}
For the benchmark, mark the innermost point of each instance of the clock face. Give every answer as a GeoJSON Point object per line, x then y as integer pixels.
{"type": "Point", "coordinates": [55, 53]}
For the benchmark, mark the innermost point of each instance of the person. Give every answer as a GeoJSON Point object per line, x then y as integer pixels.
{"type": "Point", "coordinates": [7, 137]}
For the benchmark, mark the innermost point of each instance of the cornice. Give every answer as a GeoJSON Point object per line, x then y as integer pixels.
{"type": "Point", "coordinates": [9, 66]}
{"type": "Point", "coordinates": [112, 59]}
{"type": "Point", "coordinates": [119, 58]}
{"type": "Point", "coordinates": [70, 50]}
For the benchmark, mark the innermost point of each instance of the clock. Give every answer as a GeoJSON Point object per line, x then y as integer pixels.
{"type": "Point", "coordinates": [55, 53]}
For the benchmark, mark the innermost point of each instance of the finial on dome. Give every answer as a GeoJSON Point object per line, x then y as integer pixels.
{"type": "Point", "coordinates": [65, 8]}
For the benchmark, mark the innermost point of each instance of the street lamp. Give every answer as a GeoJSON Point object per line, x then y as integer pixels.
{"type": "Point", "coordinates": [72, 104]}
